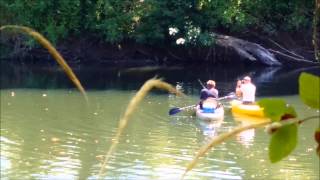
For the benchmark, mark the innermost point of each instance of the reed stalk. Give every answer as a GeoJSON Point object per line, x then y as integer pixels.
{"type": "Point", "coordinates": [133, 104]}
{"type": "Point", "coordinates": [56, 55]}
{"type": "Point", "coordinates": [219, 139]}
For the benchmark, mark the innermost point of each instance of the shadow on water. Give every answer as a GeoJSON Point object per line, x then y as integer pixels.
{"type": "Point", "coordinates": [269, 80]}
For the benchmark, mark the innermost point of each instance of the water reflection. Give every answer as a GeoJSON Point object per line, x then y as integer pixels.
{"type": "Point", "coordinates": [66, 139]}
{"type": "Point", "coordinates": [269, 80]}
{"type": "Point", "coordinates": [246, 138]}
{"type": "Point", "coordinates": [51, 133]}
{"type": "Point", "coordinates": [210, 128]}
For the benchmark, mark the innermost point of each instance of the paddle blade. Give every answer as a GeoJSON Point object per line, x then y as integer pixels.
{"type": "Point", "coordinates": [232, 94]}
{"type": "Point", "coordinates": [174, 111]}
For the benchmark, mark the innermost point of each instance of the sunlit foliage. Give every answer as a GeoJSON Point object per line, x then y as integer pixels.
{"type": "Point", "coordinates": [148, 21]}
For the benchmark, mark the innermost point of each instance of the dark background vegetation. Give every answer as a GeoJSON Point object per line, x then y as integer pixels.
{"type": "Point", "coordinates": [121, 31]}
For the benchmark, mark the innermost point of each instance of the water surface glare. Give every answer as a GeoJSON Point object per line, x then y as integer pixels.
{"type": "Point", "coordinates": [54, 134]}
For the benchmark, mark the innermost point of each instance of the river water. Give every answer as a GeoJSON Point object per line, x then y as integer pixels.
{"type": "Point", "coordinates": [48, 131]}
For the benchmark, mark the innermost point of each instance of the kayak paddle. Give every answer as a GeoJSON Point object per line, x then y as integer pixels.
{"type": "Point", "coordinates": [201, 83]}
{"type": "Point", "coordinates": [176, 110]}
{"type": "Point", "coordinates": [230, 95]}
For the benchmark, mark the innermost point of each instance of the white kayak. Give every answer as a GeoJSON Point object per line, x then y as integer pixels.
{"type": "Point", "coordinates": [204, 114]}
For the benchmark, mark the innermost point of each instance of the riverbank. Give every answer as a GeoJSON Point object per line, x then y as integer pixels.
{"type": "Point", "coordinates": [91, 50]}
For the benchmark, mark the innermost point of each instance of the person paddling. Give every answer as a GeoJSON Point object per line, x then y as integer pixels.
{"type": "Point", "coordinates": [209, 92]}
{"type": "Point", "coordinates": [247, 90]}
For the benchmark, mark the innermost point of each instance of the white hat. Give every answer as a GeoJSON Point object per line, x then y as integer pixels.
{"type": "Point", "coordinates": [247, 78]}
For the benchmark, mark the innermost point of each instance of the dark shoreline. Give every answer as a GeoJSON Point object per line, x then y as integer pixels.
{"type": "Point", "coordinates": [92, 51]}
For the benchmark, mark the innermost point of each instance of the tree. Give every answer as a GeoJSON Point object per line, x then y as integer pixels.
{"type": "Point", "coordinates": [316, 35]}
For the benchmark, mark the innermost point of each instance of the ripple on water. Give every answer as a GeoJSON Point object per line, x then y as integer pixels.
{"type": "Point", "coordinates": [70, 139]}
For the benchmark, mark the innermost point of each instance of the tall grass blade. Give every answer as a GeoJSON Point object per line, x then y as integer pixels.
{"type": "Point", "coordinates": [147, 86]}
{"type": "Point", "coordinates": [56, 55]}
{"type": "Point", "coordinates": [219, 139]}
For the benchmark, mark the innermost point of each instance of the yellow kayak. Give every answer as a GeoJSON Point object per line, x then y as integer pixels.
{"type": "Point", "coordinates": [249, 110]}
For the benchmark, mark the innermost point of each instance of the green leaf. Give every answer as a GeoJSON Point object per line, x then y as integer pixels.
{"type": "Point", "coordinates": [290, 110]}
{"type": "Point", "coordinates": [283, 142]}
{"type": "Point", "coordinates": [273, 108]}
{"type": "Point", "coordinates": [309, 86]}
{"type": "Point", "coordinates": [289, 113]}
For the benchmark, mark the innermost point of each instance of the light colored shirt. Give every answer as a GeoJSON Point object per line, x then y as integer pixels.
{"type": "Point", "coordinates": [205, 93]}
{"type": "Point", "coordinates": [248, 92]}
{"type": "Point", "coordinates": [214, 92]}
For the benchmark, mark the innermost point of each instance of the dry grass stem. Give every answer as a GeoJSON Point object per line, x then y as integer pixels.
{"type": "Point", "coordinates": [56, 55]}
{"type": "Point", "coordinates": [147, 86]}
{"type": "Point", "coordinates": [219, 139]}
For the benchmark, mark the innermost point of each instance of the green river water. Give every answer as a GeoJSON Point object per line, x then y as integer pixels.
{"type": "Point", "coordinates": [52, 133]}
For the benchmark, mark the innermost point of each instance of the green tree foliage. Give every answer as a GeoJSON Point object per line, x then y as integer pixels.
{"type": "Point", "coordinates": [148, 21]}
{"type": "Point", "coordinates": [54, 19]}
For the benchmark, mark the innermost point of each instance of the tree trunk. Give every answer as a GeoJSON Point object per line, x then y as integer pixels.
{"type": "Point", "coordinates": [316, 28]}
{"type": "Point", "coordinates": [247, 50]}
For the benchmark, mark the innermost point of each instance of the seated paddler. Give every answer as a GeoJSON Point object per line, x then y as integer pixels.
{"type": "Point", "coordinates": [208, 96]}
{"type": "Point", "coordinates": [246, 90]}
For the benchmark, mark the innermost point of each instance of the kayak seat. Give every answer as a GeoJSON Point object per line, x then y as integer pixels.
{"type": "Point", "coordinates": [207, 110]}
